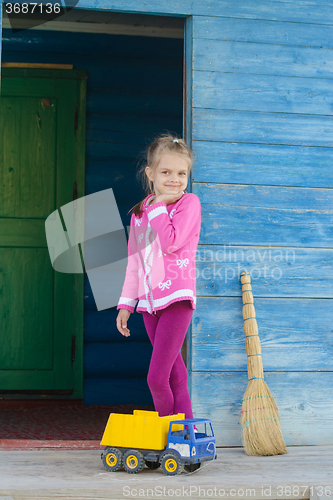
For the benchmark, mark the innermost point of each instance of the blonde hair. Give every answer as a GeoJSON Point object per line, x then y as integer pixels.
{"type": "Point", "coordinates": [163, 144]}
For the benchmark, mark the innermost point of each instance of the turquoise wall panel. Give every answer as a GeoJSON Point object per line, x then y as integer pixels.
{"type": "Point", "coordinates": [262, 137]}
{"type": "Point", "coordinates": [301, 397]}
{"type": "Point", "coordinates": [276, 271]}
{"type": "Point", "coordinates": [261, 31]}
{"type": "Point", "coordinates": [262, 93]}
{"type": "Point", "coordinates": [284, 10]}
{"type": "Point", "coordinates": [292, 338]}
{"type": "Point", "coordinates": [261, 58]}
{"type": "Point", "coordinates": [262, 128]}
{"type": "Point", "coordinates": [274, 165]}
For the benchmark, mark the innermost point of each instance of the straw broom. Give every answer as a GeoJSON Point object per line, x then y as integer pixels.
{"type": "Point", "coordinates": [259, 416]}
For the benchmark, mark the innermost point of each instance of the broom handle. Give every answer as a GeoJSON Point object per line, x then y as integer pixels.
{"type": "Point", "coordinates": [252, 340]}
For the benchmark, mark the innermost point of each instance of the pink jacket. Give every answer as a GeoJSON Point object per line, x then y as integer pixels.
{"type": "Point", "coordinates": [161, 255]}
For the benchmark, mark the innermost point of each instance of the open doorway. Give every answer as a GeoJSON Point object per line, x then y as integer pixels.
{"type": "Point", "coordinates": [135, 72]}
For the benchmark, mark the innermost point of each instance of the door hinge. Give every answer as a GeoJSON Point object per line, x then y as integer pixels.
{"type": "Point", "coordinates": [73, 349]}
{"type": "Point", "coordinates": [76, 118]}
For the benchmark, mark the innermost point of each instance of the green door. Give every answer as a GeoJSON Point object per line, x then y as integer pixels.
{"type": "Point", "coordinates": [42, 141]}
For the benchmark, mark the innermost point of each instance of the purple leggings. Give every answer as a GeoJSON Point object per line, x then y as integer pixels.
{"type": "Point", "coordinates": [167, 375]}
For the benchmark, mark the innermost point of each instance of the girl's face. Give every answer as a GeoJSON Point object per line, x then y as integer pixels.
{"type": "Point", "coordinates": [171, 174]}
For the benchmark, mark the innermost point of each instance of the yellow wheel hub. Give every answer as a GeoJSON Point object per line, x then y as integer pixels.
{"type": "Point", "coordinates": [170, 465]}
{"type": "Point", "coordinates": [132, 461]}
{"type": "Point", "coordinates": [111, 459]}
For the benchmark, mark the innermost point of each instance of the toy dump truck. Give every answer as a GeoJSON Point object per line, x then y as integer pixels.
{"type": "Point", "coordinates": [144, 438]}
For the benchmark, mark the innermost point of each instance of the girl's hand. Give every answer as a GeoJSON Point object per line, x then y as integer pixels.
{"type": "Point", "coordinates": [168, 198]}
{"type": "Point", "coordinates": [122, 318]}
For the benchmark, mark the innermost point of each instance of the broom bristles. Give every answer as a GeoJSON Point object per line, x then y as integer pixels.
{"type": "Point", "coordinates": [260, 417]}
{"type": "Point", "coordinates": [260, 421]}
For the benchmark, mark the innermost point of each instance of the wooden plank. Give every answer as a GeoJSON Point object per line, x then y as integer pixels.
{"type": "Point", "coordinates": [26, 232]}
{"type": "Point", "coordinates": [98, 178]}
{"type": "Point", "coordinates": [257, 164]}
{"type": "Point", "coordinates": [68, 290]}
{"type": "Point", "coordinates": [100, 326]}
{"type": "Point", "coordinates": [27, 193]}
{"type": "Point", "coordinates": [322, 493]}
{"type": "Point", "coordinates": [80, 174]}
{"type": "Point", "coordinates": [296, 11]}
{"type": "Point", "coordinates": [288, 198]}
{"type": "Point", "coordinates": [117, 391]}
{"type": "Point", "coordinates": [107, 360]}
{"type": "Point", "coordinates": [27, 306]}
{"type": "Point", "coordinates": [123, 129]}
{"type": "Point", "coordinates": [270, 93]}
{"type": "Point", "coordinates": [30, 73]}
{"type": "Point", "coordinates": [262, 128]}
{"type": "Point", "coordinates": [275, 272]}
{"type": "Point", "coordinates": [115, 151]}
{"type": "Point", "coordinates": [37, 65]}
{"type": "Point", "coordinates": [259, 31]}
{"type": "Point", "coordinates": [40, 380]}
{"type": "Point", "coordinates": [10, 86]}
{"type": "Point", "coordinates": [262, 59]}
{"type": "Point", "coordinates": [233, 475]}
{"type": "Point", "coordinates": [300, 396]}
{"type": "Point", "coordinates": [120, 72]}
{"type": "Point", "coordinates": [102, 27]}
{"type": "Point", "coordinates": [121, 102]}
{"type": "Point", "coordinates": [81, 43]}
{"type": "Point", "coordinates": [223, 224]}
{"type": "Point", "coordinates": [295, 334]}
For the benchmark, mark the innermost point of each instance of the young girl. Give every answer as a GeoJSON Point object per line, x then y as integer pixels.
{"type": "Point", "coordinates": [161, 274]}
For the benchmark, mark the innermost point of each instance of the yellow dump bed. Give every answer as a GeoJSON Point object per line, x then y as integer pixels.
{"type": "Point", "coordinates": [143, 429]}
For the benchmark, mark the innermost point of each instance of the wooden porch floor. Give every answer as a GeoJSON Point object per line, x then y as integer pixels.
{"type": "Point", "coordinates": [303, 473]}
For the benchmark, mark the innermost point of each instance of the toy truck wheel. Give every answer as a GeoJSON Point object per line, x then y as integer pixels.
{"type": "Point", "coordinates": [152, 465]}
{"type": "Point", "coordinates": [171, 464]}
{"type": "Point", "coordinates": [112, 459]}
{"type": "Point", "coordinates": [133, 461]}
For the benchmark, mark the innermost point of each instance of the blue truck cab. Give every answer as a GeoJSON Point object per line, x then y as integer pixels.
{"type": "Point", "coordinates": [193, 439]}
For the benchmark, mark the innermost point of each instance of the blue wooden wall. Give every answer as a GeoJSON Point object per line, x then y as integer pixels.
{"type": "Point", "coordinates": [134, 92]}
{"type": "Point", "coordinates": [262, 133]}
